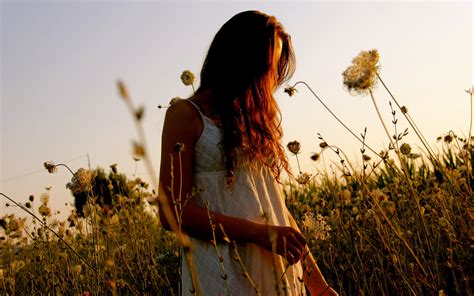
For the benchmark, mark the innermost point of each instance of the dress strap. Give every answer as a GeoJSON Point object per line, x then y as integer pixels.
{"type": "Point", "coordinates": [205, 119]}
{"type": "Point", "coordinates": [196, 106]}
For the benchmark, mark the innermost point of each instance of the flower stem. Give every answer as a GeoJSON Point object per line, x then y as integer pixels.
{"type": "Point", "coordinates": [54, 232]}
{"type": "Point", "coordinates": [62, 164]}
{"type": "Point", "coordinates": [298, 162]}
{"type": "Point", "coordinates": [405, 171]}
{"type": "Point", "coordinates": [335, 116]}
{"type": "Point", "coordinates": [434, 160]}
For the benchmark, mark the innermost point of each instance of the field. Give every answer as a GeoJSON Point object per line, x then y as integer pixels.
{"type": "Point", "coordinates": [399, 224]}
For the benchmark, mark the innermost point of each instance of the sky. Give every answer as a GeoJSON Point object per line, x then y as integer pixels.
{"type": "Point", "coordinates": [60, 61]}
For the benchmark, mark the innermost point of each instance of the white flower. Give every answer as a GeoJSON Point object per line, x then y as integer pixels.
{"type": "Point", "coordinates": [81, 181]}
{"type": "Point", "coordinates": [360, 76]}
{"type": "Point", "coordinates": [316, 227]}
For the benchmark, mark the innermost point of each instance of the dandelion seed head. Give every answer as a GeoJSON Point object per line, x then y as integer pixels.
{"type": "Point", "coordinates": [187, 77]}
{"type": "Point", "coordinates": [294, 147]}
{"type": "Point", "coordinates": [360, 76]}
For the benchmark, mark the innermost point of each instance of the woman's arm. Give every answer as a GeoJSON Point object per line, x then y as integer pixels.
{"type": "Point", "coordinates": [312, 276]}
{"type": "Point", "coordinates": [183, 125]}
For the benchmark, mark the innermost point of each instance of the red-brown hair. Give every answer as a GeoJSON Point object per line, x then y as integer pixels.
{"type": "Point", "coordinates": [240, 70]}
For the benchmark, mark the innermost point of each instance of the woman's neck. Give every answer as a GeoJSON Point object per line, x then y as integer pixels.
{"type": "Point", "coordinates": [204, 101]}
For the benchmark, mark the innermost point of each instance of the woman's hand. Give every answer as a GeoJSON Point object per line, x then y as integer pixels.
{"type": "Point", "coordinates": [284, 240]}
{"type": "Point", "coordinates": [316, 290]}
{"type": "Point", "coordinates": [314, 281]}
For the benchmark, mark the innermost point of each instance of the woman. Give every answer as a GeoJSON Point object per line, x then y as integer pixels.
{"type": "Point", "coordinates": [226, 167]}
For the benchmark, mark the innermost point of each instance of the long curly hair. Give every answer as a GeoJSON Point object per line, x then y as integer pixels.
{"type": "Point", "coordinates": [241, 71]}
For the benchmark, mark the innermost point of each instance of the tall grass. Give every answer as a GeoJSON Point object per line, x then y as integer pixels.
{"type": "Point", "coordinates": [400, 226]}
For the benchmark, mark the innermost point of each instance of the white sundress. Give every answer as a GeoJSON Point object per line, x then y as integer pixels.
{"type": "Point", "coordinates": [253, 193]}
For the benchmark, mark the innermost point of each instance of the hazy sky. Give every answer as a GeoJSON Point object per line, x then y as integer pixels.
{"type": "Point", "coordinates": [60, 61]}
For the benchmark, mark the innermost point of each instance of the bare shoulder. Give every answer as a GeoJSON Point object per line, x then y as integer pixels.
{"type": "Point", "coordinates": [182, 108]}
{"type": "Point", "coordinates": [183, 117]}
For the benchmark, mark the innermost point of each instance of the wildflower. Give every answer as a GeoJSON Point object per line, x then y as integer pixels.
{"type": "Point", "coordinates": [315, 156]}
{"type": "Point", "coordinates": [290, 90]}
{"type": "Point", "coordinates": [187, 77]}
{"type": "Point", "coordinates": [316, 227]}
{"type": "Point", "coordinates": [384, 154]}
{"type": "Point", "coordinates": [303, 178]}
{"type": "Point", "coordinates": [323, 145]}
{"type": "Point", "coordinates": [365, 157]}
{"type": "Point", "coordinates": [405, 149]}
{"type": "Point", "coordinates": [294, 147]}
{"type": "Point", "coordinates": [360, 75]}
{"type": "Point", "coordinates": [44, 210]}
{"type": "Point", "coordinates": [178, 147]}
{"type": "Point", "coordinates": [175, 100]}
{"type": "Point", "coordinates": [404, 109]}
{"type": "Point", "coordinates": [50, 166]}
{"type": "Point", "coordinates": [448, 138]}
{"type": "Point", "coordinates": [81, 181]}
{"type": "Point", "coordinates": [123, 90]}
